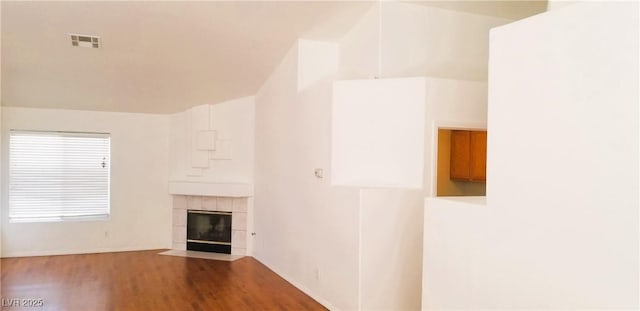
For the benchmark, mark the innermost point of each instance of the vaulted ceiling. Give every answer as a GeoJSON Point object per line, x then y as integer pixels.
{"type": "Point", "coordinates": [511, 9]}
{"type": "Point", "coordinates": [158, 57]}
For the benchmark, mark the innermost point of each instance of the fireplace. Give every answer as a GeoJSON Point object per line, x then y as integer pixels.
{"type": "Point", "coordinates": [209, 231]}
{"type": "Point", "coordinates": [239, 226]}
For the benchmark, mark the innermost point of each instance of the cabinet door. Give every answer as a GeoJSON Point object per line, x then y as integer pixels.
{"type": "Point", "coordinates": [460, 155]}
{"type": "Point", "coordinates": [478, 157]}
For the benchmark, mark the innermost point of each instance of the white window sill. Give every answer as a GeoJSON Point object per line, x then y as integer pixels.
{"type": "Point", "coordinates": [60, 219]}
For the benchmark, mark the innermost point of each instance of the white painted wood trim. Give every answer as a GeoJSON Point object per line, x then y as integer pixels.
{"type": "Point", "coordinates": [210, 189]}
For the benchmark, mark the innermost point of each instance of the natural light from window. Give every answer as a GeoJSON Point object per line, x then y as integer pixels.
{"type": "Point", "coordinates": [57, 176]}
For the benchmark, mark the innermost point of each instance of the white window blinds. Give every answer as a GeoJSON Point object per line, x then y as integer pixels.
{"type": "Point", "coordinates": [58, 176]}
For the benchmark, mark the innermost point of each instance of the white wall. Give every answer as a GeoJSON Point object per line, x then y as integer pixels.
{"type": "Point", "coordinates": [560, 229]}
{"type": "Point", "coordinates": [317, 61]}
{"type": "Point", "coordinates": [556, 4]}
{"type": "Point", "coordinates": [232, 161]}
{"type": "Point", "coordinates": [306, 230]}
{"type": "Point", "coordinates": [391, 244]}
{"type": "Point", "coordinates": [417, 40]}
{"type": "Point", "coordinates": [571, 108]}
{"type": "Point", "coordinates": [293, 137]}
{"type": "Point", "coordinates": [140, 204]}
{"type": "Point", "coordinates": [454, 253]}
{"type": "Point", "coordinates": [377, 133]}
{"type": "Point", "coordinates": [391, 220]}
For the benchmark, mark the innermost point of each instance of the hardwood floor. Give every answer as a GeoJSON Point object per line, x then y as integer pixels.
{"type": "Point", "coordinates": [147, 281]}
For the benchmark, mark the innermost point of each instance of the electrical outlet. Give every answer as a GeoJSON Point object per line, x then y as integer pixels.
{"type": "Point", "coordinates": [317, 273]}
{"type": "Point", "coordinates": [319, 173]}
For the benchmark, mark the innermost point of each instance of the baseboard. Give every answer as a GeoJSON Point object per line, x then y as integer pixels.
{"type": "Point", "coordinates": [299, 286]}
{"type": "Point", "coordinates": [79, 251]}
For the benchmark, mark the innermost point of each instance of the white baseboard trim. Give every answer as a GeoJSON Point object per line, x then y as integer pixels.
{"type": "Point", "coordinates": [79, 251]}
{"type": "Point", "coordinates": [299, 286]}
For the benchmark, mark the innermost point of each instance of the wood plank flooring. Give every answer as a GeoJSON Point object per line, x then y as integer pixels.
{"type": "Point", "coordinates": [147, 281]}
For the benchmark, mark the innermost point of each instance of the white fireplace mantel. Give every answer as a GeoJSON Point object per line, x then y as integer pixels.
{"type": "Point", "coordinates": [236, 190]}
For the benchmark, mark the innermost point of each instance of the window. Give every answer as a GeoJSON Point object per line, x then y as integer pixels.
{"type": "Point", "coordinates": [56, 176]}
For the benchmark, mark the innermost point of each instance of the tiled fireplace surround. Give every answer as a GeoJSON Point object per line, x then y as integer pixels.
{"type": "Point", "coordinates": [238, 207]}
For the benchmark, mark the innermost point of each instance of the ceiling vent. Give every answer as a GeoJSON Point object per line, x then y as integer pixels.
{"type": "Point", "coordinates": [85, 41]}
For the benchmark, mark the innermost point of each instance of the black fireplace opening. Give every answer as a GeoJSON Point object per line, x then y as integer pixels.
{"type": "Point", "coordinates": [209, 231]}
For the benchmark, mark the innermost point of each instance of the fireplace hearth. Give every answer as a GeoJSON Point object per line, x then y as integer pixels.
{"type": "Point", "coordinates": [209, 231]}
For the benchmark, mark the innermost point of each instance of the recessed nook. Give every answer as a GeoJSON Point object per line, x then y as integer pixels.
{"type": "Point", "coordinates": [459, 150]}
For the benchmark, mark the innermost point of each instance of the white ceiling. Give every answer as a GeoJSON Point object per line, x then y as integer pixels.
{"type": "Point", "coordinates": [156, 57]}
{"type": "Point", "coordinates": [164, 57]}
{"type": "Point", "coordinates": [510, 9]}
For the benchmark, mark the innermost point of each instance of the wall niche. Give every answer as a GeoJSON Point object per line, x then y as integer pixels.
{"type": "Point", "coordinates": [461, 162]}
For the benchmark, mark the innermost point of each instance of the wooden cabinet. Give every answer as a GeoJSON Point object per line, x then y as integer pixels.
{"type": "Point", "coordinates": [468, 155]}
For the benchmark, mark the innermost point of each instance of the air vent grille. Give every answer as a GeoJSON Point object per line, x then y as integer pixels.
{"type": "Point", "coordinates": [85, 41]}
